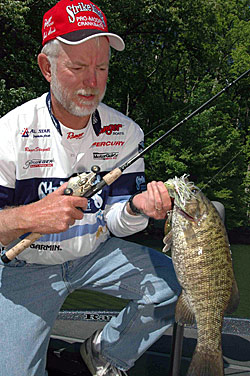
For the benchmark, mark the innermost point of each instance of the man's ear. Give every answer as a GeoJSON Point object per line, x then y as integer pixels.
{"type": "Point", "coordinates": [44, 66]}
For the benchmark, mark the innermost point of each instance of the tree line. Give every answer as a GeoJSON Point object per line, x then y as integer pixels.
{"type": "Point", "coordinates": [178, 55]}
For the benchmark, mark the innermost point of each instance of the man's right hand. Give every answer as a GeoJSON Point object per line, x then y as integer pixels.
{"type": "Point", "coordinates": [53, 214]}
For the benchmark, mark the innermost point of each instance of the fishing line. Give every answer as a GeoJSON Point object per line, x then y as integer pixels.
{"type": "Point", "coordinates": [222, 169]}
{"type": "Point", "coordinates": [179, 111]}
{"type": "Point", "coordinates": [163, 123]}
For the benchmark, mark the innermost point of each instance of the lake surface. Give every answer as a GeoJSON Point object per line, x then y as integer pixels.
{"type": "Point", "coordinates": [82, 300]}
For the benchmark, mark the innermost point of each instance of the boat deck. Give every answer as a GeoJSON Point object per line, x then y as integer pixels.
{"type": "Point", "coordinates": [73, 327]}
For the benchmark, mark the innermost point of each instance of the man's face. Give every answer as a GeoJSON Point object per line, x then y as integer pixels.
{"type": "Point", "coordinates": [79, 77]}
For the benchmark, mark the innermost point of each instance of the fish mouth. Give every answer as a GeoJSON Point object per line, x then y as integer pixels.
{"type": "Point", "coordinates": [181, 190]}
{"type": "Point", "coordinates": [185, 214]}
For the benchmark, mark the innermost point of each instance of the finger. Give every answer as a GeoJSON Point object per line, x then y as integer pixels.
{"type": "Point", "coordinates": [77, 214]}
{"type": "Point", "coordinates": [151, 195]}
{"type": "Point", "coordinates": [165, 198]}
{"type": "Point", "coordinates": [61, 189]}
{"type": "Point", "coordinates": [79, 202]}
{"type": "Point", "coordinates": [158, 203]}
{"type": "Point", "coordinates": [71, 222]}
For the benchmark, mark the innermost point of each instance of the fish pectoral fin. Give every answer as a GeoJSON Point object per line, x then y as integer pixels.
{"type": "Point", "coordinates": [183, 311]}
{"type": "Point", "coordinates": [234, 299]}
{"type": "Point", "coordinates": [167, 240]}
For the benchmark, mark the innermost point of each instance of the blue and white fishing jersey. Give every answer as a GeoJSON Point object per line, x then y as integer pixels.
{"type": "Point", "coordinates": [38, 154]}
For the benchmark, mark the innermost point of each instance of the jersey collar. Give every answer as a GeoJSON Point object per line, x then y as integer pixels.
{"type": "Point", "coordinates": [96, 120]}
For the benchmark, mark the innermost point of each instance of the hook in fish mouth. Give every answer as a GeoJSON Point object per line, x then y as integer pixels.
{"type": "Point", "coordinates": [181, 189]}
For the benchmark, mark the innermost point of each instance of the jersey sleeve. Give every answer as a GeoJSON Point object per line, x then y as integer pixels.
{"type": "Point", "coordinates": [119, 221]}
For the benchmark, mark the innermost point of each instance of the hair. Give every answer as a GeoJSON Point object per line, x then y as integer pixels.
{"type": "Point", "coordinates": [53, 48]}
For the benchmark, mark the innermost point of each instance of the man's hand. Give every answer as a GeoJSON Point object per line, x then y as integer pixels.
{"type": "Point", "coordinates": [53, 214]}
{"type": "Point", "coordinates": [155, 202]}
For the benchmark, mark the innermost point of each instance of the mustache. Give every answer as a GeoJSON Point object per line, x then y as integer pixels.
{"type": "Point", "coordinates": [93, 91]}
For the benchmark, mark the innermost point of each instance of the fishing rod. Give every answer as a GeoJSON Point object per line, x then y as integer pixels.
{"type": "Point", "coordinates": [83, 184]}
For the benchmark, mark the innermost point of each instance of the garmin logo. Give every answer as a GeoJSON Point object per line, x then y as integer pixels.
{"type": "Point", "coordinates": [73, 10]}
{"type": "Point", "coordinates": [46, 247]}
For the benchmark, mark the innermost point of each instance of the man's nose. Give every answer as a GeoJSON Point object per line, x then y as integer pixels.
{"type": "Point", "coordinates": [90, 79]}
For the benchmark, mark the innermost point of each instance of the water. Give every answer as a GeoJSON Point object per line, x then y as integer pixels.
{"type": "Point", "coordinates": [81, 300]}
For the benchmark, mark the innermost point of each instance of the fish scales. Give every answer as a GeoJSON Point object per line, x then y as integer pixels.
{"type": "Point", "coordinates": [203, 264]}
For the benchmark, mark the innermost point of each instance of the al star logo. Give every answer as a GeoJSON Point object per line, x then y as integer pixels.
{"type": "Point", "coordinates": [25, 132]}
{"type": "Point", "coordinates": [37, 133]}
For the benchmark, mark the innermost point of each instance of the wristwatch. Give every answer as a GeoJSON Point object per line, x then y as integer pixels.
{"type": "Point", "coordinates": [134, 209]}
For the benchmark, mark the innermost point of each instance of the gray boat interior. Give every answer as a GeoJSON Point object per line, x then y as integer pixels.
{"type": "Point", "coordinates": [164, 358]}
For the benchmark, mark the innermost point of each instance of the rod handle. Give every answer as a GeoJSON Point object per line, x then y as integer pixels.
{"type": "Point", "coordinates": [111, 176]}
{"type": "Point", "coordinates": [20, 247]}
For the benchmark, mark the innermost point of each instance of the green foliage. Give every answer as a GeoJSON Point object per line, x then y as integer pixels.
{"type": "Point", "coordinates": [179, 53]}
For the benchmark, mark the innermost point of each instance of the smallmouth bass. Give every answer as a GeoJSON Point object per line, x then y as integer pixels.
{"type": "Point", "coordinates": [202, 260]}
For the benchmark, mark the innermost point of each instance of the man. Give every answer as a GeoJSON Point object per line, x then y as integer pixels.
{"type": "Point", "coordinates": [43, 143]}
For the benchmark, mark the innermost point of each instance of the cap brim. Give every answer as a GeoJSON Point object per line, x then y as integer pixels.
{"type": "Point", "coordinates": [80, 36]}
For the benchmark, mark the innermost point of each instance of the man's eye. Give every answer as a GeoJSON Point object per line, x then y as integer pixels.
{"type": "Point", "coordinates": [102, 68]}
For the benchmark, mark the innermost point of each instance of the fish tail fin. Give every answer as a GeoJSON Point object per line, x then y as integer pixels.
{"type": "Point", "coordinates": [206, 364]}
{"type": "Point", "coordinates": [183, 310]}
{"type": "Point", "coordinates": [234, 299]}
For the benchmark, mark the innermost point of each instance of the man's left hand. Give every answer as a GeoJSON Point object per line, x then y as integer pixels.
{"type": "Point", "coordinates": [155, 202]}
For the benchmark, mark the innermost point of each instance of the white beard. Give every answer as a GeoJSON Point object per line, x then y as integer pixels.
{"type": "Point", "coordinates": [62, 96]}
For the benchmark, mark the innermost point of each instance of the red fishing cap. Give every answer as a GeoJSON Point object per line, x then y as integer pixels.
{"type": "Point", "coordinates": [73, 22]}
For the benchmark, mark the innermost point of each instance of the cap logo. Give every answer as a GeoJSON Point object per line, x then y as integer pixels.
{"type": "Point", "coordinates": [73, 10]}
{"type": "Point", "coordinates": [48, 23]}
